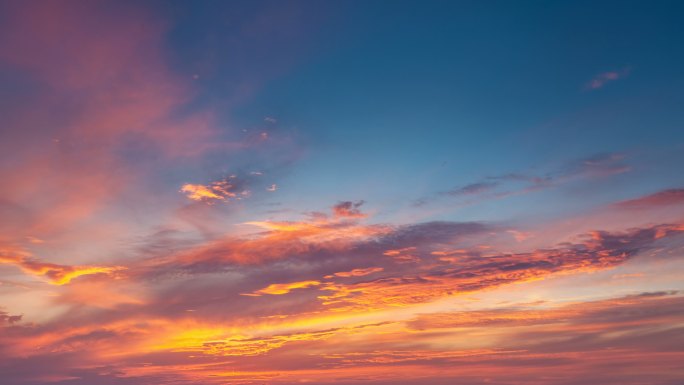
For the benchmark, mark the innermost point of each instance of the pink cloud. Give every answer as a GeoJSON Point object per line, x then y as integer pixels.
{"type": "Point", "coordinates": [602, 79]}
{"type": "Point", "coordinates": [659, 199]}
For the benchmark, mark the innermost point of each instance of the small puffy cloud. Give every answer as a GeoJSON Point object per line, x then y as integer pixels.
{"type": "Point", "coordinates": [198, 192]}
{"type": "Point", "coordinates": [348, 209]}
{"type": "Point", "coordinates": [228, 189]}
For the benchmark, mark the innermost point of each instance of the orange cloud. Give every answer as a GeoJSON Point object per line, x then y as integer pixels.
{"type": "Point", "coordinates": [222, 190]}
{"type": "Point", "coordinates": [299, 348]}
{"type": "Point", "coordinates": [198, 192]}
{"type": "Point", "coordinates": [430, 282]}
{"type": "Point", "coordinates": [357, 272]}
{"type": "Point", "coordinates": [57, 274]}
{"type": "Point", "coordinates": [576, 341]}
{"type": "Point", "coordinates": [404, 255]}
{"type": "Point", "coordinates": [280, 240]}
{"type": "Point", "coordinates": [257, 346]}
{"type": "Point", "coordinates": [284, 288]}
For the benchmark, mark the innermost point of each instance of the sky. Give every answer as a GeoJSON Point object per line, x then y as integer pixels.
{"type": "Point", "coordinates": [341, 192]}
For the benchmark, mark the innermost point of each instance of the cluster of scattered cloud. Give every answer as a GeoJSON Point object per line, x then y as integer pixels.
{"type": "Point", "coordinates": [302, 288]}
{"type": "Point", "coordinates": [124, 261]}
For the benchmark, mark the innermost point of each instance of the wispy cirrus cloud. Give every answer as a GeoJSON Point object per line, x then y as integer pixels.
{"type": "Point", "coordinates": [56, 274]}
{"type": "Point", "coordinates": [611, 310]}
{"type": "Point", "coordinates": [511, 184]}
{"type": "Point", "coordinates": [473, 189]}
{"type": "Point", "coordinates": [600, 80]}
{"type": "Point", "coordinates": [658, 199]}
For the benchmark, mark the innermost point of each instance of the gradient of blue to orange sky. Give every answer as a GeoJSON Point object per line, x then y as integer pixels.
{"type": "Point", "coordinates": [341, 192]}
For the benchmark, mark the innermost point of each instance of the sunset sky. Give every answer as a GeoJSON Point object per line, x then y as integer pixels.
{"type": "Point", "coordinates": [341, 192]}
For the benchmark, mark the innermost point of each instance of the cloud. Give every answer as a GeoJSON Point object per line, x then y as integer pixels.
{"type": "Point", "coordinates": [356, 272]}
{"type": "Point", "coordinates": [284, 322]}
{"type": "Point", "coordinates": [511, 184]}
{"type": "Point", "coordinates": [413, 266]}
{"type": "Point", "coordinates": [627, 310]}
{"type": "Point", "coordinates": [320, 238]}
{"type": "Point", "coordinates": [198, 192]}
{"type": "Point", "coordinates": [9, 319]}
{"type": "Point", "coordinates": [400, 287]}
{"type": "Point", "coordinates": [473, 189]}
{"type": "Point", "coordinates": [98, 116]}
{"type": "Point", "coordinates": [230, 188]}
{"type": "Point", "coordinates": [56, 274]}
{"type": "Point", "coordinates": [281, 240]}
{"type": "Point", "coordinates": [576, 341]}
{"type": "Point", "coordinates": [348, 209]}
{"type": "Point", "coordinates": [103, 133]}
{"type": "Point", "coordinates": [405, 255]}
{"type": "Point", "coordinates": [434, 233]}
{"type": "Point", "coordinates": [659, 199]}
{"type": "Point", "coordinates": [599, 165]}
{"type": "Point", "coordinates": [520, 236]}
{"type": "Point", "coordinates": [602, 79]}
{"type": "Point", "coordinates": [283, 288]}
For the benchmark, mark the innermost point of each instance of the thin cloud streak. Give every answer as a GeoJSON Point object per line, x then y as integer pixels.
{"type": "Point", "coordinates": [600, 80]}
